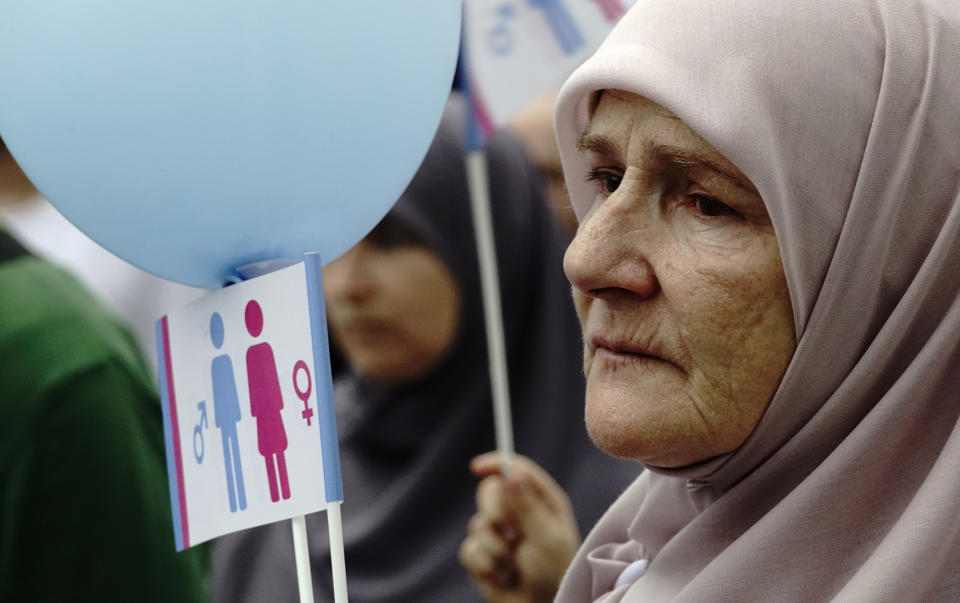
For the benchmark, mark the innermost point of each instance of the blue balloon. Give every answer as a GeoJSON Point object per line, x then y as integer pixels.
{"type": "Point", "coordinates": [191, 137]}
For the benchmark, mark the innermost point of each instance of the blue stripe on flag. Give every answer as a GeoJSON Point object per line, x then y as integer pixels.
{"type": "Point", "coordinates": [474, 135]}
{"type": "Point", "coordinates": [326, 417]}
{"type": "Point", "coordinates": [562, 24]}
{"type": "Point", "coordinates": [168, 437]}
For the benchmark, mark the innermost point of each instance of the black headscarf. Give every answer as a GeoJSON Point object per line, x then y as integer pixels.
{"type": "Point", "coordinates": [407, 489]}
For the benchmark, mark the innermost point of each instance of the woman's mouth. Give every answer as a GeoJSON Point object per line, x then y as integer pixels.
{"type": "Point", "coordinates": [365, 330]}
{"type": "Point", "coordinates": [623, 358]}
{"type": "Point", "coordinates": [621, 354]}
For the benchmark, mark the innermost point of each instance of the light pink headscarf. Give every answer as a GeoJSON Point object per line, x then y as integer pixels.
{"type": "Point", "coordinates": [845, 114]}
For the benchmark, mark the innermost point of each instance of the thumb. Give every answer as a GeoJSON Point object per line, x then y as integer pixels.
{"type": "Point", "coordinates": [523, 502]}
{"type": "Point", "coordinates": [534, 501]}
{"type": "Point", "coordinates": [535, 489]}
{"type": "Point", "coordinates": [486, 464]}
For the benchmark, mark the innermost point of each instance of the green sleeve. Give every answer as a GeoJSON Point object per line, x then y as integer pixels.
{"type": "Point", "coordinates": [88, 502]}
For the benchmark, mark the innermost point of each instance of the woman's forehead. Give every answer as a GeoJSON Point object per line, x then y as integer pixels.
{"type": "Point", "coordinates": [635, 100]}
{"type": "Point", "coordinates": [625, 116]}
{"type": "Point", "coordinates": [652, 132]}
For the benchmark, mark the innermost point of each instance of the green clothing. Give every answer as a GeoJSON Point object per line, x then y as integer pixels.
{"type": "Point", "coordinates": [84, 500]}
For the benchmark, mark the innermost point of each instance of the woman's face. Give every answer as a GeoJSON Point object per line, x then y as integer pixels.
{"type": "Point", "coordinates": [678, 284]}
{"type": "Point", "coordinates": [392, 309]}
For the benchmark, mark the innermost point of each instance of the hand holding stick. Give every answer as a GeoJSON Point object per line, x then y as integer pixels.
{"type": "Point", "coordinates": [524, 534]}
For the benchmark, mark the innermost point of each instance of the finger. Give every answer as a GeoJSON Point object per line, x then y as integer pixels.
{"type": "Point", "coordinates": [490, 570]}
{"type": "Point", "coordinates": [490, 497]}
{"type": "Point", "coordinates": [488, 537]}
{"type": "Point", "coordinates": [474, 559]}
{"type": "Point", "coordinates": [486, 464]}
{"type": "Point", "coordinates": [496, 583]}
{"type": "Point", "coordinates": [523, 500]}
{"type": "Point", "coordinates": [509, 530]}
{"type": "Point", "coordinates": [505, 574]}
{"type": "Point", "coordinates": [534, 487]}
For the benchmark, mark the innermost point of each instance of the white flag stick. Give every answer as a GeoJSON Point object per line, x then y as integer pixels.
{"type": "Point", "coordinates": [479, 186]}
{"type": "Point", "coordinates": [337, 563]}
{"type": "Point", "coordinates": [302, 555]}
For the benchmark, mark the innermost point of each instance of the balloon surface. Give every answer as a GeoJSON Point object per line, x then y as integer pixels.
{"type": "Point", "coordinates": [191, 137]}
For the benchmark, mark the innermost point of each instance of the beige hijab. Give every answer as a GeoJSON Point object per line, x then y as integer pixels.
{"type": "Point", "coordinates": [846, 116]}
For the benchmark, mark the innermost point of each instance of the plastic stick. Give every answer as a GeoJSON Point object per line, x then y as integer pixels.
{"type": "Point", "coordinates": [302, 555]}
{"type": "Point", "coordinates": [338, 565]}
{"type": "Point", "coordinates": [479, 186]}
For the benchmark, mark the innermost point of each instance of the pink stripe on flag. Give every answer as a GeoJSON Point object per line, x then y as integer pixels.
{"type": "Point", "coordinates": [612, 9]}
{"type": "Point", "coordinates": [175, 431]}
{"type": "Point", "coordinates": [480, 113]}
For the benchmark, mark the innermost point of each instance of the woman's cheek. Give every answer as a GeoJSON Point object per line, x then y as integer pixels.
{"type": "Point", "coordinates": [722, 296]}
{"type": "Point", "coordinates": [716, 236]}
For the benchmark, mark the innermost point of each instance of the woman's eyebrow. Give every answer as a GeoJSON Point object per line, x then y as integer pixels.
{"type": "Point", "coordinates": [597, 143]}
{"type": "Point", "coordinates": [679, 158]}
{"type": "Point", "coordinates": [683, 159]}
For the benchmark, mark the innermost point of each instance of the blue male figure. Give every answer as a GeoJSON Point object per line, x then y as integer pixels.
{"type": "Point", "coordinates": [562, 24]}
{"type": "Point", "coordinates": [226, 414]}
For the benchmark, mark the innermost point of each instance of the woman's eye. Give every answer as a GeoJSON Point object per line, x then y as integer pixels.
{"type": "Point", "coordinates": [609, 181]}
{"type": "Point", "coordinates": [712, 208]}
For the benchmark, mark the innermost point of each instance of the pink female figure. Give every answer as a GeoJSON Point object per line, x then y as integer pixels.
{"type": "Point", "coordinates": [265, 404]}
{"type": "Point", "coordinates": [612, 9]}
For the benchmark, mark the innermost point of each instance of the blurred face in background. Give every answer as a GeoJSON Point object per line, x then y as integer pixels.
{"type": "Point", "coordinates": [392, 304]}
{"type": "Point", "coordinates": [533, 125]}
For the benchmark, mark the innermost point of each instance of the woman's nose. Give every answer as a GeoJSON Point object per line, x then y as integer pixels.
{"type": "Point", "coordinates": [348, 277]}
{"type": "Point", "coordinates": [609, 254]}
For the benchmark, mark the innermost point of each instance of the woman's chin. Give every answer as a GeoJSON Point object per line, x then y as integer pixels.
{"type": "Point", "coordinates": [649, 421]}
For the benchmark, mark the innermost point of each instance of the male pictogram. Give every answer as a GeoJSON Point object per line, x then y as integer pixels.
{"type": "Point", "coordinates": [226, 415]}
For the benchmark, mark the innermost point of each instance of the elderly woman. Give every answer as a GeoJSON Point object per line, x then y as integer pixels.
{"type": "Point", "coordinates": [767, 273]}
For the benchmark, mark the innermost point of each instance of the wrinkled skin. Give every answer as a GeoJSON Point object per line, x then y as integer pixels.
{"type": "Point", "coordinates": [678, 284]}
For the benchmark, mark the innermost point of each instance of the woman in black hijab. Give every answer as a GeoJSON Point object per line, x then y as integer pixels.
{"type": "Point", "coordinates": [415, 406]}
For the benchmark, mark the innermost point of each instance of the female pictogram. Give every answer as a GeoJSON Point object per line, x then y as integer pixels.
{"type": "Point", "coordinates": [266, 401]}
{"type": "Point", "coordinates": [612, 9]}
{"type": "Point", "coordinates": [304, 394]}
